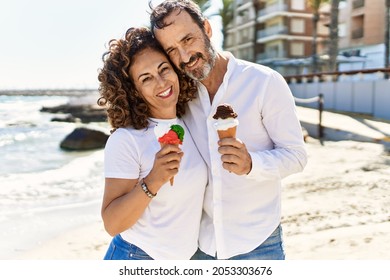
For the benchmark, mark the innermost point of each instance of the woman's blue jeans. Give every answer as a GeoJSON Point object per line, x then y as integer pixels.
{"type": "Point", "coordinates": [120, 249]}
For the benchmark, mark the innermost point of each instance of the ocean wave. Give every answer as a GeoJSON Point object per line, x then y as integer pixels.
{"type": "Point", "coordinates": [34, 171]}
{"type": "Point", "coordinates": [81, 179]}
{"type": "Point", "coordinates": [33, 148]}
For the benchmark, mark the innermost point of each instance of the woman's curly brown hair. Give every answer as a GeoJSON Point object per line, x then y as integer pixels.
{"type": "Point", "coordinates": [125, 107]}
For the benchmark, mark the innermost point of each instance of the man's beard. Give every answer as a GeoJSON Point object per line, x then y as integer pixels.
{"type": "Point", "coordinates": [201, 73]}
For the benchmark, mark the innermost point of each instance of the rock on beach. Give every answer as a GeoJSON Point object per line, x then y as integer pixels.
{"type": "Point", "coordinates": [84, 139]}
{"type": "Point", "coordinates": [80, 110]}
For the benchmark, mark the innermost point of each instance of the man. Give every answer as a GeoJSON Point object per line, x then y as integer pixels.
{"type": "Point", "coordinates": [242, 207]}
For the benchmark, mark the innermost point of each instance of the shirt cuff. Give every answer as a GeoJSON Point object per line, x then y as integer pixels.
{"type": "Point", "coordinates": [262, 169]}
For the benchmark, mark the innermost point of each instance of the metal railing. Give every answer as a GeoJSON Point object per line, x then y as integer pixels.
{"type": "Point", "coordinates": [320, 100]}
{"type": "Point", "coordinates": [278, 7]}
{"type": "Point", "coordinates": [321, 76]}
{"type": "Point", "coordinates": [274, 30]}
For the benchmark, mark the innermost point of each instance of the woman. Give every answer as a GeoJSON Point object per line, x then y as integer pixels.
{"type": "Point", "coordinates": [149, 218]}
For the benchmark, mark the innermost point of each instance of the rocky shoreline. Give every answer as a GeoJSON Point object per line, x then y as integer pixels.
{"type": "Point", "coordinates": [77, 113]}
{"type": "Point", "coordinates": [81, 138]}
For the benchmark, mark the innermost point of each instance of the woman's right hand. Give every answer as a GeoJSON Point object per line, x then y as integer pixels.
{"type": "Point", "coordinates": [166, 165]}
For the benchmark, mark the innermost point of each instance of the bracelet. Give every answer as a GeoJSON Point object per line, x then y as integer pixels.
{"type": "Point", "coordinates": [146, 190]}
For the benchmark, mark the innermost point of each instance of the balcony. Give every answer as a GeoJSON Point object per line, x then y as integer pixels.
{"type": "Point", "coordinates": [357, 4]}
{"type": "Point", "coordinates": [279, 7]}
{"type": "Point", "coordinates": [270, 55]}
{"type": "Point", "coordinates": [274, 30]}
{"type": "Point", "coordinates": [243, 18]}
{"type": "Point", "coordinates": [264, 56]}
{"type": "Point", "coordinates": [244, 39]}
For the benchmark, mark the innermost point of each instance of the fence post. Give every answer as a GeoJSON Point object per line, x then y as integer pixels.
{"type": "Point", "coordinates": [320, 109]}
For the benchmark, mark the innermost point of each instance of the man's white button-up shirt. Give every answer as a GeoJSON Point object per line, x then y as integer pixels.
{"type": "Point", "coordinates": [240, 212]}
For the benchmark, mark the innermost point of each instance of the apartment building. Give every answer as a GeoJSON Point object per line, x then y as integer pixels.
{"type": "Point", "coordinates": [275, 33]}
{"type": "Point", "coordinates": [241, 32]}
{"type": "Point", "coordinates": [362, 33]}
{"type": "Point", "coordinates": [285, 35]}
{"type": "Point", "coordinates": [279, 33]}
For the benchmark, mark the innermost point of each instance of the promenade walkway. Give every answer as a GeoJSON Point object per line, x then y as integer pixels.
{"type": "Point", "coordinates": [337, 126]}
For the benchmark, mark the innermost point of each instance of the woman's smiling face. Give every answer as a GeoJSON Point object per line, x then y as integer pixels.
{"type": "Point", "coordinates": [157, 82]}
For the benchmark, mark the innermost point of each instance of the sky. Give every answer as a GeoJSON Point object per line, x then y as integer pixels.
{"type": "Point", "coordinates": [58, 44]}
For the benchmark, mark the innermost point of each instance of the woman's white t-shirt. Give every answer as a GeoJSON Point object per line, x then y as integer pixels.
{"type": "Point", "coordinates": [169, 227]}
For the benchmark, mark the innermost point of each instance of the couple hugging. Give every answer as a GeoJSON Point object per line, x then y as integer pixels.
{"type": "Point", "coordinates": [173, 188]}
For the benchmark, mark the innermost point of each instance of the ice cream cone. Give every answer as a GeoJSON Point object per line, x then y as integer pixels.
{"type": "Point", "coordinates": [230, 132]}
{"type": "Point", "coordinates": [173, 178]}
{"type": "Point", "coordinates": [172, 135]}
{"type": "Point", "coordinates": [225, 121]}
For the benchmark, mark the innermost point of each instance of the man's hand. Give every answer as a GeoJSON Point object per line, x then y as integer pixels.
{"type": "Point", "coordinates": [235, 157]}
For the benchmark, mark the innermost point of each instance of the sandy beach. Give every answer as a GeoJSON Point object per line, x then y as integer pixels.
{"type": "Point", "coordinates": [336, 209]}
{"type": "Point", "coordinates": [86, 240]}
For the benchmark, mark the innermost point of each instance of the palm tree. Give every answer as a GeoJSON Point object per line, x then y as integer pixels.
{"type": "Point", "coordinates": [226, 13]}
{"type": "Point", "coordinates": [334, 35]}
{"type": "Point", "coordinates": [315, 5]}
{"type": "Point", "coordinates": [203, 4]}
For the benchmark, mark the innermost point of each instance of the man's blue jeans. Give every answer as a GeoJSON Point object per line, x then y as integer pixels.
{"type": "Point", "coordinates": [270, 249]}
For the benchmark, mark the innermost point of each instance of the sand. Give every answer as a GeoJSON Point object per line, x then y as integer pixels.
{"type": "Point", "coordinates": [69, 232]}
{"type": "Point", "coordinates": [338, 208]}
{"type": "Point", "coordinates": [88, 242]}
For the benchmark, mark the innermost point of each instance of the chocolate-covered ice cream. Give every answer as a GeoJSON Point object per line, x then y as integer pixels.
{"type": "Point", "coordinates": [224, 111]}
{"type": "Point", "coordinates": [226, 121]}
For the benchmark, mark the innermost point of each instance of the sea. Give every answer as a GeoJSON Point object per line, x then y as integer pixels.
{"type": "Point", "coordinates": [36, 176]}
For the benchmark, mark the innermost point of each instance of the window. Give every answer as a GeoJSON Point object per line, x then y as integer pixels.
{"type": "Point", "coordinates": [298, 5]}
{"type": "Point", "coordinates": [297, 25]}
{"type": "Point", "coordinates": [244, 36]}
{"type": "Point", "coordinates": [323, 30]}
{"type": "Point", "coordinates": [297, 49]}
{"type": "Point", "coordinates": [342, 4]}
{"type": "Point", "coordinates": [246, 54]}
{"type": "Point", "coordinates": [229, 40]}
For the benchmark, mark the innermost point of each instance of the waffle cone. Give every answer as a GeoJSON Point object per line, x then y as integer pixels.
{"type": "Point", "coordinates": [173, 178]}
{"type": "Point", "coordinates": [230, 132]}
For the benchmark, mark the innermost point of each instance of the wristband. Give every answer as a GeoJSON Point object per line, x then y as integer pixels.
{"type": "Point", "coordinates": [146, 190]}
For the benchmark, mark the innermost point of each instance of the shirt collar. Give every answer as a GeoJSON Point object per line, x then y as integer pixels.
{"type": "Point", "coordinates": [230, 68]}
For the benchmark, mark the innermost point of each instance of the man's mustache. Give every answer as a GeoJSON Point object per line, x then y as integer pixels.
{"type": "Point", "coordinates": [192, 59]}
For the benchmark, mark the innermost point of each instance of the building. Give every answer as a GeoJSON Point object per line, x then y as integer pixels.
{"type": "Point", "coordinates": [241, 32]}
{"type": "Point", "coordinates": [279, 34]}
{"type": "Point", "coordinates": [362, 33]}
{"type": "Point", "coordinates": [276, 33]}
